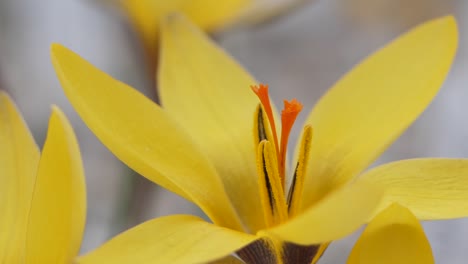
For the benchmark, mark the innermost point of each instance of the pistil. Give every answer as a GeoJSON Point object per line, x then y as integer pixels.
{"type": "Point", "coordinates": [288, 117]}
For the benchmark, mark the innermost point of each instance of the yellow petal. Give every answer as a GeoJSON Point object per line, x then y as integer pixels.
{"type": "Point", "coordinates": [337, 215]}
{"type": "Point", "coordinates": [430, 188]}
{"type": "Point", "coordinates": [139, 133]}
{"type": "Point", "coordinates": [58, 207]}
{"type": "Point", "coordinates": [209, 93]}
{"type": "Point", "coordinates": [371, 105]}
{"type": "Point", "coordinates": [393, 236]}
{"type": "Point", "coordinates": [171, 239]}
{"type": "Point", "coordinates": [19, 157]}
{"type": "Point", "coordinates": [146, 15]}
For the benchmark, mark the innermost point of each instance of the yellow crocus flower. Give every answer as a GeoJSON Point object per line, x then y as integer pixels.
{"type": "Point", "coordinates": [199, 144]}
{"type": "Point", "coordinates": [42, 195]}
{"type": "Point", "coordinates": [145, 16]}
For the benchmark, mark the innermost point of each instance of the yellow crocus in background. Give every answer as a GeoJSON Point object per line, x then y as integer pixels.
{"type": "Point", "coordinates": [42, 195]}
{"type": "Point", "coordinates": [145, 16]}
{"type": "Point", "coordinates": [200, 146]}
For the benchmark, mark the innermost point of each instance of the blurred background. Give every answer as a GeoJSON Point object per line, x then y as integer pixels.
{"type": "Point", "coordinates": [300, 54]}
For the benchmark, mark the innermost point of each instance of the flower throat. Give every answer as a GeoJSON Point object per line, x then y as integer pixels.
{"type": "Point", "coordinates": [271, 158]}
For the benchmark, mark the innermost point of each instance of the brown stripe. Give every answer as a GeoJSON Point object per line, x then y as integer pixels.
{"type": "Point", "coordinates": [292, 188]}
{"type": "Point", "coordinates": [268, 185]}
{"type": "Point", "coordinates": [294, 254]}
{"type": "Point", "coordinates": [261, 126]}
{"type": "Point", "coordinates": [258, 252]}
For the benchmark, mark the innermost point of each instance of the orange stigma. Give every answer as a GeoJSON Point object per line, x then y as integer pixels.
{"type": "Point", "coordinates": [262, 92]}
{"type": "Point", "coordinates": [288, 117]}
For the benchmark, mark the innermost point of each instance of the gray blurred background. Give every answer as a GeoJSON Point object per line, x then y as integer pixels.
{"type": "Point", "coordinates": [300, 56]}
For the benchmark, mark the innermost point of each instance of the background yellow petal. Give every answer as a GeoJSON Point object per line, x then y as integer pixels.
{"type": "Point", "coordinates": [19, 157]}
{"type": "Point", "coordinates": [334, 217]}
{"type": "Point", "coordinates": [58, 207]}
{"type": "Point", "coordinates": [371, 105]}
{"type": "Point", "coordinates": [142, 135]}
{"type": "Point", "coordinates": [146, 15]}
{"type": "Point", "coordinates": [209, 93]}
{"type": "Point", "coordinates": [430, 188]}
{"type": "Point", "coordinates": [393, 236]}
{"type": "Point", "coordinates": [171, 239]}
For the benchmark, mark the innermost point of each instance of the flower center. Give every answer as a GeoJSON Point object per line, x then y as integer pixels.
{"type": "Point", "coordinates": [288, 116]}
{"type": "Point", "coordinates": [278, 202]}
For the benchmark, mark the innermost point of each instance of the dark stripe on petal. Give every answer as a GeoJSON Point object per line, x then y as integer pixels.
{"type": "Point", "coordinates": [295, 254]}
{"type": "Point", "coordinates": [268, 185]}
{"type": "Point", "coordinates": [292, 188]}
{"type": "Point", "coordinates": [261, 126]}
{"type": "Point", "coordinates": [297, 187]}
{"type": "Point", "coordinates": [259, 252]}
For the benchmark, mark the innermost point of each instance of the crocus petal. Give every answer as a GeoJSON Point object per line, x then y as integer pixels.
{"type": "Point", "coordinates": [203, 88]}
{"type": "Point", "coordinates": [337, 215]}
{"type": "Point", "coordinates": [146, 15]}
{"type": "Point", "coordinates": [393, 236]}
{"type": "Point", "coordinates": [58, 207]}
{"type": "Point", "coordinates": [142, 135]}
{"type": "Point", "coordinates": [370, 106]}
{"type": "Point", "coordinates": [19, 157]}
{"type": "Point", "coordinates": [430, 188]}
{"type": "Point", "coordinates": [171, 239]}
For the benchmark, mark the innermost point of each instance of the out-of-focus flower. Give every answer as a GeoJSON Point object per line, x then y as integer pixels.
{"type": "Point", "coordinates": [42, 195]}
{"type": "Point", "coordinates": [210, 15]}
{"type": "Point", "coordinates": [146, 16]}
{"type": "Point", "coordinates": [200, 146]}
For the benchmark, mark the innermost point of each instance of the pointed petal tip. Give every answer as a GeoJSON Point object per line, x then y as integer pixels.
{"type": "Point", "coordinates": [450, 23]}
{"type": "Point", "coordinates": [59, 51]}
{"type": "Point", "coordinates": [450, 20]}
{"type": "Point", "coordinates": [56, 110]}
{"type": "Point", "coordinates": [447, 21]}
{"type": "Point", "coordinates": [177, 22]}
{"type": "Point", "coordinates": [56, 48]}
{"type": "Point", "coordinates": [446, 25]}
{"type": "Point", "coordinates": [57, 113]}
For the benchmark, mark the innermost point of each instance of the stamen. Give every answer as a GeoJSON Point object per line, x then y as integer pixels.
{"type": "Point", "coordinates": [271, 191]}
{"type": "Point", "coordinates": [288, 116]}
{"type": "Point", "coordinates": [297, 184]}
{"type": "Point", "coordinates": [262, 92]}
